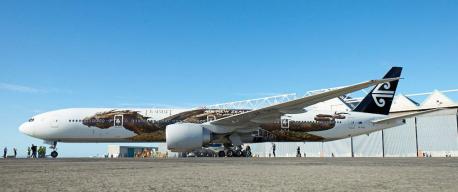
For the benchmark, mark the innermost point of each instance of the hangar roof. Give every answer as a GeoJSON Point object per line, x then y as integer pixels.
{"type": "Point", "coordinates": [403, 103]}
{"type": "Point", "coordinates": [437, 99]}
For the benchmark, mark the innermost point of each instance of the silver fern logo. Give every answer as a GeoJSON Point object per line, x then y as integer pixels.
{"type": "Point", "coordinates": [381, 92]}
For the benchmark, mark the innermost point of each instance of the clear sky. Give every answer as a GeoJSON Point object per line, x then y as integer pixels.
{"type": "Point", "coordinates": [60, 54]}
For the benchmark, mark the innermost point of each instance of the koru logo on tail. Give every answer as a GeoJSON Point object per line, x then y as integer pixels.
{"type": "Point", "coordinates": [381, 92]}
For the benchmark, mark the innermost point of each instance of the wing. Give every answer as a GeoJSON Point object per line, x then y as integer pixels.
{"type": "Point", "coordinates": [274, 112]}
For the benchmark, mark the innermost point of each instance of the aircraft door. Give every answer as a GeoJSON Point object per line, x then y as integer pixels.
{"type": "Point", "coordinates": [118, 121]}
{"type": "Point", "coordinates": [284, 123]}
{"type": "Point", "coordinates": [351, 122]}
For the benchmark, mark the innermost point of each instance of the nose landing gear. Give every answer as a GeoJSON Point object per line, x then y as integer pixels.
{"type": "Point", "coordinates": [53, 146]}
{"type": "Point", "coordinates": [54, 153]}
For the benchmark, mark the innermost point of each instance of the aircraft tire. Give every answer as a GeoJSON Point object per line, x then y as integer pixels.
{"type": "Point", "coordinates": [221, 154]}
{"type": "Point", "coordinates": [230, 153]}
{"type": "Point", "coordinates": [54, 154]}
{"type": "Point", "coordinates": [238, 153]}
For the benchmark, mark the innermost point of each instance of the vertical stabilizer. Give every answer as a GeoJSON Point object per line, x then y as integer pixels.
{"type": "Point", "coordinates": [379, 100]}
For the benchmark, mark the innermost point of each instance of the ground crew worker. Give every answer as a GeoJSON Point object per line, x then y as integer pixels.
{"type": "Point", "coordinates": [273, 149]}
{"type": "Point", "coordinates": [34, 151]}
{"type": "Point", "coordinates": [298, 151]}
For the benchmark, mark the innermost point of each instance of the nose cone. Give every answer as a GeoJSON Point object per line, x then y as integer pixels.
{"type": "Point", "coordinates": [25, 129]}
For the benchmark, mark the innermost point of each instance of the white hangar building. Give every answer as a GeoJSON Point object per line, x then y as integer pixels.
{"type": "Point", "coordinates": [434, 134]}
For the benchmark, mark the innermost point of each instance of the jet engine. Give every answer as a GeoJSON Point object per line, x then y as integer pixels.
{"type": "Point", "coordinates": [185, 137]}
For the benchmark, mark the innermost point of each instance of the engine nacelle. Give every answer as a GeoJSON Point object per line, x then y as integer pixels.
{"type": "Point", "coordinates": [185, 137]}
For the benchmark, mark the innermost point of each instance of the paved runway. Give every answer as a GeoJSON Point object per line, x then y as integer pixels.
{"type": "Point", "coordinates": [230, 174]}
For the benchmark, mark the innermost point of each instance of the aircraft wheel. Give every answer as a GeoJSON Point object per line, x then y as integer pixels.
{"type": "Point", "coordinates": [238, 153]}
{"type": "Point", "coordinates": [221, 154]}
{"type": "Point", "coordinates": [54, 154]}
{"type": "Point", "coordinates": [248, 154]}
{"type": "Point", "coordinates": [230, 153]}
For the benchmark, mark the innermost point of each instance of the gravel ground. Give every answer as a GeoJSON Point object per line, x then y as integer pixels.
{"type": "Point", "coordinates": [230, 174]}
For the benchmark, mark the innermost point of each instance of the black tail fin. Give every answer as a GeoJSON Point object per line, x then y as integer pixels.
{"type": "Point", "coordinates": [380, 98]}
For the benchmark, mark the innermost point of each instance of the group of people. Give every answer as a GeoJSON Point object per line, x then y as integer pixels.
{"type": "Point", "coordinates": [32, 152]}
{"type": "Point", "coordinates": [298, 154]}
{"type": "Point", "coordinates": [5, 152]}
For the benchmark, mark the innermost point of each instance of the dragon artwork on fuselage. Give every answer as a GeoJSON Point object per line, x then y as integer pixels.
{"type": "Point", "coordinates": [299, 130]}
{"type": "Point", "coordinates": [148, 130]}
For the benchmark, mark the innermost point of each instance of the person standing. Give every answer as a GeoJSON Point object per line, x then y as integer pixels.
{"type": "Point", "coordinates": [5, 151]}
{"type": "Point", "coordinates": [273, 149]}
{"type": "Point", "coordinates": [15, 152]}
{"type": "Point", "coordinates": [34, 151]}
{"type": "Point", "coordinates": [298, 151]}
{"type": "Point", "coordinates": [28, 152]}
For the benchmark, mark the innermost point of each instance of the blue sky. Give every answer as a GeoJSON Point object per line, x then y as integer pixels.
{"type": "Point", "coordinates": [59, 54]}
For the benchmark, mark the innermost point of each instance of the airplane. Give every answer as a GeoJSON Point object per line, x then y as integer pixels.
{"type": "Point", "coordinates": [185, 130]}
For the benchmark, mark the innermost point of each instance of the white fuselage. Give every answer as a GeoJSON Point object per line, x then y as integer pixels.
{"type": "Point", "coordinates": [71, 125]}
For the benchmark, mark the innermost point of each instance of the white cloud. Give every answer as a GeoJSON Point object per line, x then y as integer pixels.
{"type": "Point", "coordinates": [19, 88]}
{"type": "Point", "coordinates": [26, 89]}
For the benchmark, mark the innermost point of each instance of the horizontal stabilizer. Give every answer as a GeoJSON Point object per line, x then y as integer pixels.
{"type": "Point", "coordinates": [394, 118]}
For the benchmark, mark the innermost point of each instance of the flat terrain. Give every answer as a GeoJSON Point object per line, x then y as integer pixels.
{"type": "Point", "coordinates": [230, 174]}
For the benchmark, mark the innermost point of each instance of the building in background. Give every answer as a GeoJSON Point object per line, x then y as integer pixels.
{"type": "Point", "coordinates": [434, 134]}
{"type": "Point", "coordinates": [115, 151]}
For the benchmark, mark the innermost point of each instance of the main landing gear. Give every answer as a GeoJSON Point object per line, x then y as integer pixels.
{"type": "Point", "coordinates": [236, 151]}
{"type": "Point", "coordinates": [221, 151]}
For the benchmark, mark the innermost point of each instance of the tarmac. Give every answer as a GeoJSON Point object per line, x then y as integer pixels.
{"type": "Point", "coordinates": [230, 174]}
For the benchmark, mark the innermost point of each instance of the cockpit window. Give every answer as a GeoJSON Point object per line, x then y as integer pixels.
{"type": "Point", "coordinates": [31, 119]}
